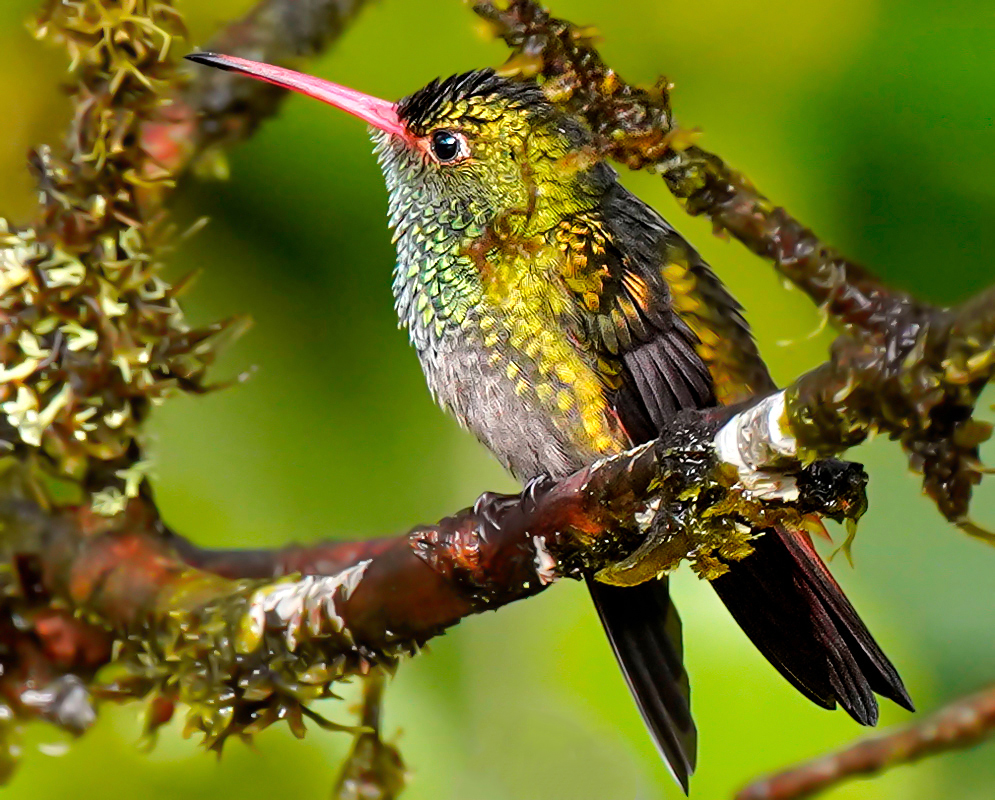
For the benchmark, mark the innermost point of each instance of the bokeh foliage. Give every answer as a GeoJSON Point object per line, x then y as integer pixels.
{"type": "Point", "coordinates": [870, 120]}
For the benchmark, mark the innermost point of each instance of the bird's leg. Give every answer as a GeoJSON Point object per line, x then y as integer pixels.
{"type": "Point", "coordinates": [374, 769]}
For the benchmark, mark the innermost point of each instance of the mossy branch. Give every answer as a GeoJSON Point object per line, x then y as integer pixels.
{"type": "Point", "coordinates": [93, 338]}
{"type": "Point", "coordinates": [216, 632]}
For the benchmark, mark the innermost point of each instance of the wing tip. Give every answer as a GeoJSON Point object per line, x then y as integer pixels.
{"type": "Point", "coordinates": [644, 632]}
{"type": "Point", "coordinates": [681, 777]}
{"type": "Point", "coordinates": [794, 612]}
{"type": "Point", "coordinates": [898, 694]}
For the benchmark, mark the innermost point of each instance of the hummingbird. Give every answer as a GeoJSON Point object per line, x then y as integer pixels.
{"type": "Point", "coordinates": [561, 320]}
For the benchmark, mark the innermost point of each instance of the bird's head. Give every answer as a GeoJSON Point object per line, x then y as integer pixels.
{"type": "Point", "coordinates": [485, 148]}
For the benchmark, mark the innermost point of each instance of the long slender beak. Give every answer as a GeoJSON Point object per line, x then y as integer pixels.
{"type": "Point", "coordinates": [378, 113]}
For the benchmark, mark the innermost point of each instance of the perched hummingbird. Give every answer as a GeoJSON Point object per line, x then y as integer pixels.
{"type": "Point", "coordinates": [561, 319]}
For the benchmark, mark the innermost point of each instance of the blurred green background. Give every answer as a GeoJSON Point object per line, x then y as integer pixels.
{"type": "Point", "coordinates": [871, 120]}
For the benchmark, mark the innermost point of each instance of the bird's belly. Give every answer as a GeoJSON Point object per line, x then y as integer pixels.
{"type": "Point", "coordinates": [534, 424]}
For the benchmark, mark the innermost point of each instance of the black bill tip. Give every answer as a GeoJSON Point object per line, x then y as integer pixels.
{"type": "Point", "coordinates": [215, 60]}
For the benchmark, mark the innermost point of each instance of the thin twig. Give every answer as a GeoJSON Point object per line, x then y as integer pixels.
{"type": "Point", "coordinates": [961, 724]}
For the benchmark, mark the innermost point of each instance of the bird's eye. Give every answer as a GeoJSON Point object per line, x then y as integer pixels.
{"type": "Point", "coordinates": [448, 146]}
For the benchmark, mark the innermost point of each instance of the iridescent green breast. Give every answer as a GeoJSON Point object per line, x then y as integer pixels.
{"type": "Point", "coordinates": [496, 331]}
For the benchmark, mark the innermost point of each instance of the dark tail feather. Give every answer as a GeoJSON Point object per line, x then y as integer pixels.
{"type": "Point", "coordinates": [645, 633]}
{"type": "Point", "coordinates": [785, 600]}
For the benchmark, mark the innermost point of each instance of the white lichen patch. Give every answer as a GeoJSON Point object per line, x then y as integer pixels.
{"type": "Point", "coordinates": [79, 338]}
{"type": "Point", "coordinates": [48, 414]}
{"type": "Point", "coordinates": [113, 500]}
{"type": "Point", "coordinates": [29, 345]}
{"type": "Point", "coordinates": [544, 562]}
{"type": "Point", "coordinates": [19, 372]}
{"type": "Point", "coordinates": [16, 250]}
{"type": "Point", "coordinates": [647, 514]}
{"type": "Point", "coordinates": [22, 414]}
{"type": "Point", "coordinates": [111, 307]}
{"type": "Point", "coordinates": [758, 443]}
{"type": "Point", "coordinates": [308, 602]}
{"type": "Point", "coordinates": [134, 475]}
{"type": "Point", "coordinates": [65, 701]}
{"type": "Point", "coordinates": [61, 269]}
{"type": "Point", "coordinates": [109, 502]}
{"type": "Point", "coordinates": [117, 418]}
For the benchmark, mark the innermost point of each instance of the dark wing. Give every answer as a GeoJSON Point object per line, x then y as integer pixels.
{"type": "Point", "coordinates": [668, 333]}
{"type": "Point", "coordinates": [692, 294]}
{"type": "Point", "coordinates": [651, 361]}
{"type": "Point", "coordinates": [785, 600]}
{"type": "Point", "coordinates": [645, 633]}
{"type": "Point", "coordinates": [672, 337]}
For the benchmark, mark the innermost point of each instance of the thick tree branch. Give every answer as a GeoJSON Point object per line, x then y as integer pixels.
{"type": "Point", "coordinates": [222, 634]}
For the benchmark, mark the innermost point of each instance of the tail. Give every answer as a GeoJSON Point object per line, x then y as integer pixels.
{"type": "Point", "coordinates": [786, 601]}
{"type": "Point", "coordinates": [645, 633]}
